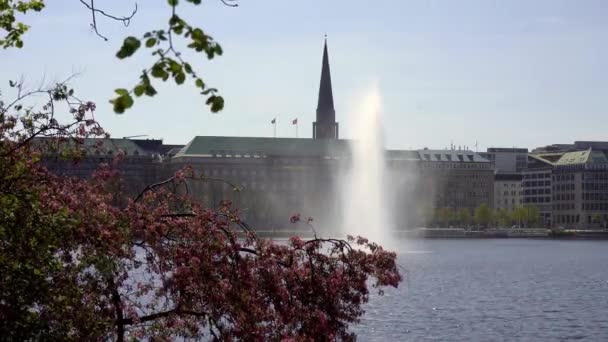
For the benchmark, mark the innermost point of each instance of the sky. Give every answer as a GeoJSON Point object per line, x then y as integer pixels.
{"type": "Point", "coordinates": [522, 73]}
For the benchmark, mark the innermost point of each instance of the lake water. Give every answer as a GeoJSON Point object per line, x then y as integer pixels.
{"type": "Point", "coordinates": [494, 290]}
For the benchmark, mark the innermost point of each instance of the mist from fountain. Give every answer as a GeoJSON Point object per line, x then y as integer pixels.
{"type": "Point", "coordinates": [363, 194]}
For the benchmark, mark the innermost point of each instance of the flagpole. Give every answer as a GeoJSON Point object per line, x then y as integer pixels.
{"type": "Point", "coordinates": [296, 129]}
{"type": "Point", "coordinates": [274, 126]}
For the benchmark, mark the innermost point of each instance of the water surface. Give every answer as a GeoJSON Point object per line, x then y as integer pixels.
{"type": "Point", "coordinates": [494, 290]}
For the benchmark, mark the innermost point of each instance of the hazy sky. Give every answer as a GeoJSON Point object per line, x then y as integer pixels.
{"type": "Point", "coordinates": [504, 73]}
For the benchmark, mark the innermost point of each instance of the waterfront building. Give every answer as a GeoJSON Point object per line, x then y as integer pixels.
{"type": "Point", "coordinates": [536, 186]}
{"type": "Point", "coordinates": [269, 179]}
{"type": "Point", "coordinates": [507, 160]}
{"type": "Point", "coordinates": [141, 164]}
{"type": "Point", "coordinates": [457, 178]}
{"type": "Point", "coordinates": [579, 188]}
{"type": "Point", "coordinates": [508, 193]}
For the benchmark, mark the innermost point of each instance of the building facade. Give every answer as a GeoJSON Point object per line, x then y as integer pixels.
{"type": "Point", "coordinates": [507, 160]}
{"type": "Point", "coordinates": [536, 186]}
{"type": "Point", "coordinates": [269, 179]}
{"type": "Point", "coordinates": [576, 180]}
{"type": "Point", "coordinates": [508, 193]}
{"type": "Point", "coordinates": [456, 179]}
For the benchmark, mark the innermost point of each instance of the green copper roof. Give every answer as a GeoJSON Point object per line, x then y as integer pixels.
{"type": "Point", "coordinates": [588, 156]}
{"type": "Point", "coordinates": [240, 146]}
{"type": "Point", "coordinates": [582, 157]}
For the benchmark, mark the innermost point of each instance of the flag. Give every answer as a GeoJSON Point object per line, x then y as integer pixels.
{"type": "Point", "coordinates": [294, 121]}
{"type": "Point", "coordinates": [274, 121]}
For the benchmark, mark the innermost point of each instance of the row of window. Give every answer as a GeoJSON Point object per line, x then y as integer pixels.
{"type": "Point", "coordinates": [537, 199]}
{"type": "Point", "coordinates": [537, 175]}
{"type": "Point", "coordinates": [585, 206]}
{"type": "Point", "coordinates": [563, 206]}
{"type": "Point", "coordinates": [595, 196]}
{"type": "Point", "coordinates": [563, 197]}
{"type": "Point", "coordinates": [564, 187]}
{"type": "Point", "coordinates": [567, 218]}
{"type": "Point", "coordinates": [507, 193]}
{"type": "Point", "coordinates": [595, 206]}
{"type": "Point", "coordinates": [537, 183]}
{"type": "Point", "coordinates": [595, 186]}
{"type": "Point", "coordinates": [445, 165]}
{"type": "Point", "coordinates": [448, 157]}
{"type": "Point", "coordinates": [576, 218]}
{"type": "Point", "coordinates": [595, 176]}
{"type": "Point", "coordinates": [564, 177]}
{"type": "Point", "coordinates": [537, 191]}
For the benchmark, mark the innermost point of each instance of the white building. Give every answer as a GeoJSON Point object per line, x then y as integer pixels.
{"type": "Point", "coordinates": [508, 193]}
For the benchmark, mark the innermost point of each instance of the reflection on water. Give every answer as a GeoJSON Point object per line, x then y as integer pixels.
{"type": "Point", "coordinates": [494, 290]}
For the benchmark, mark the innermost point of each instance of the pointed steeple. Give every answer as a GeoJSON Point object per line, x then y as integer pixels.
{"type": "Point", "coordinates": [326, 97]}
{"type": "Point", "coordinates": [326, 126]}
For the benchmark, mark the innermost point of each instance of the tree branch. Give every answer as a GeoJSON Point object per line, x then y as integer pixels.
{"type": "Point", "coordinates": [126, 20]}
{"type": "Point", "coordinates": [155, 316]}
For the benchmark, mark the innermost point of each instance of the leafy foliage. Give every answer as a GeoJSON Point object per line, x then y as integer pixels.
{"type": "Point", "coordinates": [169, 63]}
{"type": "Point", "coordinates": [483, 214]}
{"type": "Point", "coordinates": [8, 20]}
{"type": "Point", "coordinates": [464, 217]}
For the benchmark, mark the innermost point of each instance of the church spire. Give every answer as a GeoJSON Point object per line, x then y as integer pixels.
{"type": "Point", "coordinates": [326, 126]}
{"type": "Point", "coordinates": [326, 98]}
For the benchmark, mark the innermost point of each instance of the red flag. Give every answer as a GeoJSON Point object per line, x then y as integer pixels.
{"type": "Point", "coordinates": [294, 121]}
{"type": "Point", "coordinates": [273, 121]}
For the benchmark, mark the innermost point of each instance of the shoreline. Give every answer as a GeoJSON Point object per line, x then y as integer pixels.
{"type": "Point", "coordinates": [459, 233]}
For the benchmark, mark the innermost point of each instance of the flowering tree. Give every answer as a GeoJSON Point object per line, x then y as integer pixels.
{"type": "Point", "coordinates": [78, 265]}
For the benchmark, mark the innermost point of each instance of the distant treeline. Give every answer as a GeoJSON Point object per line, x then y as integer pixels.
{"type": "Point", "coordinates": [484, 216]}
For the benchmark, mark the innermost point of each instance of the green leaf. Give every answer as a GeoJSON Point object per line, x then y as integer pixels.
{"type": "Point", "coordinates": [139, 89]}
{"type": "Point", "coordinates": [121, 103]}
{"type": "Point", "coordinates": [199, 83]}
{"type": "Point", "coordinates": [180, 78]}
{"type": "Point", "coordinates": [121, 91]}
{"type": "Point", "coordinates": [150, 91]}
{"type": "Point", "coordinates": [129, 47]}
{"type": "Point", "coordinates": [216, 103]}
{"type": "Point", "coordinates": [172, 2]}
{"type": "Point", "coordinates": [150, 42]}
{"type": "Point", "coordinates": [174, 66]}
{"type": "Point", "coordinates": [158, 71]}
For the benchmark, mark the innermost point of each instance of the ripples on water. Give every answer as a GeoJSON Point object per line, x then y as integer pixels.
{"type": "Point", "coordinates": [494, 290]}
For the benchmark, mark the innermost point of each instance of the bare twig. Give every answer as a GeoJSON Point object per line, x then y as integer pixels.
{"type": "Point", "coordinates": [230, 3]}
{"type": "Point", "coordinates": [126, 20]}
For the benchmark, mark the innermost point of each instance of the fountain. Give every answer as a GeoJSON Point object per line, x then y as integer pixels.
{"type": "Point", "coordinates": [363, 192]}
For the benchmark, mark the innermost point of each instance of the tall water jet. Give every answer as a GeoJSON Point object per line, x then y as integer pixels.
{"type": "Point", "coordinates": [364, 189]}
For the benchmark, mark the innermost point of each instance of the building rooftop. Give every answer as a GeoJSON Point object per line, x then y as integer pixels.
{"type": "Point", "coordinates": [402, 155]}
{"type": "Point", "coordinates": [583, 157]}
{"type": "Point", "coordinates": [208, 146]}
{"type": "Point", "coordinates": [507, 149]}
{"type": "Point", "coordinates": [588, 156]}
{"type": "Point", "coordinates": [464, 156]}
{"type": "Point", "coordinates": [109, 146]}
